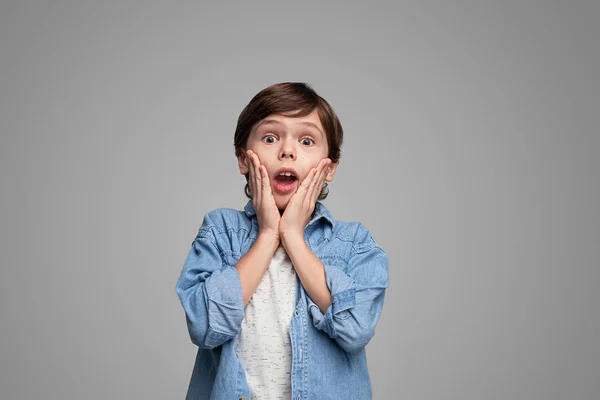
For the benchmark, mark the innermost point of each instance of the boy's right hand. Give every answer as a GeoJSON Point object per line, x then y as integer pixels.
{"type": "Point", "coordinates": [263, 201]}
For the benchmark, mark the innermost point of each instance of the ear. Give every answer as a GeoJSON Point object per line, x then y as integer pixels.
{"type": "Point", "coordinates": [332, 169]}
{"type": "Point", "coordinates": [242, 163]}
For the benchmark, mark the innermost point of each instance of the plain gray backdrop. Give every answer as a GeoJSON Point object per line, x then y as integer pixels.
{"type": "Point", "coordinates": [471, 154]}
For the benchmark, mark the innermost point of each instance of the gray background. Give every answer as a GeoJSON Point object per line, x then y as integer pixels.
{"type": "Point", "coordinates": [471, 154]}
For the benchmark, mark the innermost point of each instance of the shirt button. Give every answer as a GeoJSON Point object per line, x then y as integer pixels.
{"type": "Point", "coordinates": [243, 398]}
{"type": "Point", "coordinates": [298, 397]}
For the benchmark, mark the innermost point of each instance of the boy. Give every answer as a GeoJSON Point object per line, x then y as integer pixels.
{"type": "Point", "coordinates": [280, 298]}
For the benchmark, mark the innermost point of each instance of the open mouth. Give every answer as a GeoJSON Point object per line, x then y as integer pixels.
{"type": "Point", "coordinates": [285, 177]}
{"type": "Point", "coordinates": [285, 182]}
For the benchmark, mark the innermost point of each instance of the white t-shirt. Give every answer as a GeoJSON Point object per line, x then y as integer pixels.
{"type": "Point", "coordinates": [263, 345]}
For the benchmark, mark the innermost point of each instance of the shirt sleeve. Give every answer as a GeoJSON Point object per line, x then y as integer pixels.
{"type": "Point", "coordinates": [357, 296]}
{"type": "Point", "coordinates": [210, 292]}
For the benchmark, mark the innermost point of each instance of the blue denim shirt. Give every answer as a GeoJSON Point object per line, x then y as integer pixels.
{"type": "Point", "coordinates": [328, 350]}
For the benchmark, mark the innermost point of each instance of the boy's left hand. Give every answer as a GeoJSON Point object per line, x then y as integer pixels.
{"type": "Point", "coordinates": [302, 204]}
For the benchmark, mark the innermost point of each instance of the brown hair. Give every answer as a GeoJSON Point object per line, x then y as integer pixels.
{"type": "Point", "coordinates": [292, 99]}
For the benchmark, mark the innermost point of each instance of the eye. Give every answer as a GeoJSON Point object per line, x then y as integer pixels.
{"type": "Point", "coordinates": [265, 139]}
{"type": "Point", "coordinates": [308, 139]}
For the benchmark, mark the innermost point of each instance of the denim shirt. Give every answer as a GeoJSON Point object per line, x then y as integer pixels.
{"type": "Point", "coordinates": [328, 350]}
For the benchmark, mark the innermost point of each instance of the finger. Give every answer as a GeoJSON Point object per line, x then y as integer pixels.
{"type": "Point", "coordinates": [254, 187]}
{"type": "Point", "coordinates": [303, 192]}
{"type": "Point", "coordinates": [307, 181]}
{"type": "Point", "coordinates": [257, 178]}
{"type": "Point", "coordinates": [311, 187]}
{"type": "Point", "coordinates": [250, 174]}
{"type": "Point", "coordinates": [319, 182]}
{"type": "Point", "coordinates": [266, 184]}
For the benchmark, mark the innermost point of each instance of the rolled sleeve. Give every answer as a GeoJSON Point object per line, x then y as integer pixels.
{"type": "Point", "coordinates": [225, 306]}
{"type": "Point", "coordinates": [210, 293]}
{"type": "Point", "coordinates": [343, 295]}
{"type": "Point", "coordinates": [357, 299]}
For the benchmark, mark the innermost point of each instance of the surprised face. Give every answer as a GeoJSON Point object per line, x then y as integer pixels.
{"type": "Point", "coordinates": [288, 147]}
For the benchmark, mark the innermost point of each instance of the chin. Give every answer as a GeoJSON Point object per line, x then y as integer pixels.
{"type": "Point", "coordinates": [282, 204]}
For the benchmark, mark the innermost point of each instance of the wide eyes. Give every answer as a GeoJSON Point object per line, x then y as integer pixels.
{"type": "Point", "coordinates": [270, 139]}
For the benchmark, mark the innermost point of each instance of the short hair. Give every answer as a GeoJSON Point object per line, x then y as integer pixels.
{"type": "Point", "coordinates": [292, 99]}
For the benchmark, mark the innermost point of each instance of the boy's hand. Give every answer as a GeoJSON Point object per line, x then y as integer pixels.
{"type": "Point", "coordinates": [262, 197]}
{"type": "Point", "coordinates": [302, 204]}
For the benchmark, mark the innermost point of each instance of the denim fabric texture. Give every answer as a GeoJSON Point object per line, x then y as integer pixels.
{"type": "Point", "coordinates": [328, 350]}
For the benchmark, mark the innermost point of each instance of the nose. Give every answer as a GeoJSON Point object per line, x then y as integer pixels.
{"type": "Point", "coordinates": [287, 150]}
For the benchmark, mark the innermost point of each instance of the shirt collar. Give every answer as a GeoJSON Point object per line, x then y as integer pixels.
{"type": "Point", "coordinates": [320, 212]}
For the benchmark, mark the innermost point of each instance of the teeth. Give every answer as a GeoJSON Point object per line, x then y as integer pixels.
{"type": "Point", "coordinates": [286, 174]}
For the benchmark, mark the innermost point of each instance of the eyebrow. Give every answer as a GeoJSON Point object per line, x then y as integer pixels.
{"type": "Point", "coordinates": [275, 122]}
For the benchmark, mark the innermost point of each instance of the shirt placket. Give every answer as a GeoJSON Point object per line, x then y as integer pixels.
{"type": "Point", "coordinates": [298, 339]}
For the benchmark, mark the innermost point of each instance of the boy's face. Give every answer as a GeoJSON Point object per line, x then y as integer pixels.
{"type": "Point", "coordinates": [284, 142]}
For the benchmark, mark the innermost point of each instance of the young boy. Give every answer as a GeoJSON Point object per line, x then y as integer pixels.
{"type": "Point", "coordinates": [280, 298]}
